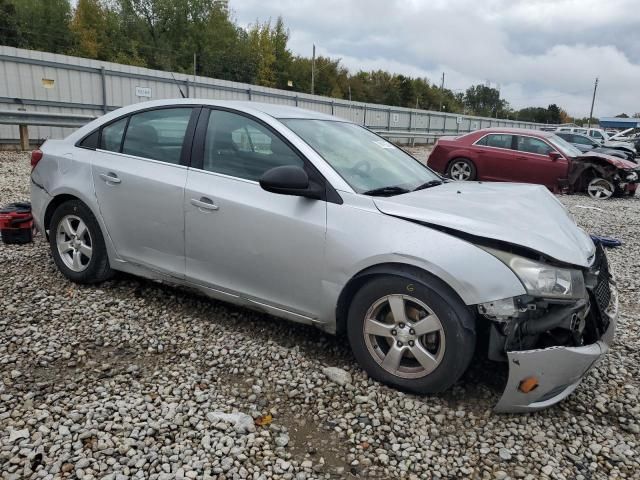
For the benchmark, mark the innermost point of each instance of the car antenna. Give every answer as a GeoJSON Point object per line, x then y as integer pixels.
{"type": "Point", "coordinates": [178, 85]}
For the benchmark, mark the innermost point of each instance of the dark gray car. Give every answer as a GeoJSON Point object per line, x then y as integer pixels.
{"type": "Point", "coordinates": [585, 144]}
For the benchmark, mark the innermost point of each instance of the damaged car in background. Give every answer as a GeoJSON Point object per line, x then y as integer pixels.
{"type": "Point", "coordinates": [533, 156]}
{"type": "Point", "coordinates": [314, 219]}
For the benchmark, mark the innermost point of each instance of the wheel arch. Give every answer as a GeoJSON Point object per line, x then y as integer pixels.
{"type": "Point", "coordinates": [53, 205]}
{"type": "Point", "coordinates": [65, 196]}
{"type": "Point", "coordinates": [403, 270]}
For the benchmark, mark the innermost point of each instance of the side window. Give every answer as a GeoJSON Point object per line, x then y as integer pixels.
{"type": "Point", "coordinates": [238, 146]}
{"type": "Point", "coordinates": [157, 134]}
{"type": "Point", "coordinates": [533, 145]}
{"type": "Point", "coordinates": [482, 141]}
{"type": "Point", "coordinates": [596, 134]}
{"type": "Point", "coordinates": [499, 141]}
{"type": "Point", "coordinates": [581, 140]}
{"type": "Point", "coordinates": [90, 141]}
{"type": "Point", "coordinates": [111, 137]}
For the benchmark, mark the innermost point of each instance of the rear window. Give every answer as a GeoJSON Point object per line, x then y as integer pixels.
{"type": "Point", "coordinates": [157, 134]}
{"type": "Point", "coordinates": [90, 141]}
{"type": "Point", "coordinates": [499, 141]}
{"type": "Point", "coordinates": [111, 137]}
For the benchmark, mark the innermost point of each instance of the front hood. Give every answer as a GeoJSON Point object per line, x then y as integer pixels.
{"type": "Point", "coordinates": [615, 161]}
{"type": "Point", "coordinates": [520, 214]}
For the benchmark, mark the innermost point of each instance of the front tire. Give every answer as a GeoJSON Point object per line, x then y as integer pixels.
{"type": "Point", "coordinates": [77, 244]}
{"type": "Point", "coordinates": [600, 188]}
{"type": "Point", "coordinates": [416, 336]}
{"type": "Point", "coordinates": [462, 169]}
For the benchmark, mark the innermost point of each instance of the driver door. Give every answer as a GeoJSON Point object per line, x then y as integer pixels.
{"type": "Point", "coordinates": [241, 239]}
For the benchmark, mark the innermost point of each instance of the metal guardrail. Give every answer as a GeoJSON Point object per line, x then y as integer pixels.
{"type": "Point", "coordinates": [23, 119]}
{"type": "Point", "coordinates": [413, 135]}
{"type": "Point", "coordinates": [20, 117]}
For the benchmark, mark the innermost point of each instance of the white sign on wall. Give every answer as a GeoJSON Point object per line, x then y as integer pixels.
{"type": "Point", "coordinates": [143, 92]}
{"type": "Point", "coordinates": [458, 120]}
{"type": "Point", "coordinates": [396, 118]}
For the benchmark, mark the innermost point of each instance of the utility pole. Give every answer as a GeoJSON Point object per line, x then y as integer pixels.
{"type": "Point", "coordinates": [313, 69]}
{"type": "Point", "coordinates": [194, 66]}
{"type": "Point", "coordinates": [442, 91]}
{"type": "Point", "coordinates": [593, 100]}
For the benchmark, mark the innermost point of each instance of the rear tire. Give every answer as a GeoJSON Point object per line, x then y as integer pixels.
{"type": "Point", "coordinates": [387, 321]}
{"type": "Point", "coordinates": [462, 169]}
{"type": "Point", "coordinates": [77, 244]}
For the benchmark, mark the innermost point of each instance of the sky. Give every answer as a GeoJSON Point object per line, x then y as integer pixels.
{"type": "Point", "coordinates": [536, 52]}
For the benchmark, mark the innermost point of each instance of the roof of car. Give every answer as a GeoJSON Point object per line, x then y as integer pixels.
{"type": "Point", "coordinates": [273, 110]}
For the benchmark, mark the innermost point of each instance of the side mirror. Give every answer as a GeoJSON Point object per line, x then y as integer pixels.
{"type": "Point", "coordinates": [555, 156]}
{"type": "Point", "coordinates": [290, 180]}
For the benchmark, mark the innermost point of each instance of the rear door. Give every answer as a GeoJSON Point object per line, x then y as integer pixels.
{"type": "Point", "coordinates": [139, 173]}
{"type": "Point", "coordinates": [534, 165]}
{"type": "Point", "coordinates": [240, 239]}
{"type": "Point", "coordinates": [495, 157]}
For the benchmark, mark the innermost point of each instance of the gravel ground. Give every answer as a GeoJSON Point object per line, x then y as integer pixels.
{"type": "Point", "coordinates": [132, 379]}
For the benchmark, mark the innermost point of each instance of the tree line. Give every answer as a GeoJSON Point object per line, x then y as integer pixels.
{"type": "Point", "coordinates": [170, 34]}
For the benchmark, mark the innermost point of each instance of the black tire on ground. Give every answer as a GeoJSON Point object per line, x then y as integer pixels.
{"type": "Point", "coordinates": [462, 163]}
{"type": "Point", "coordinates": [97, 269]}
{"type": "Point", "coordinates": [457, 323]}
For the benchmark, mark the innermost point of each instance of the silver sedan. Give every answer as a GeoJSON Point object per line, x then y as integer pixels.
{"type": "Point", "coordinates": [318, 220]}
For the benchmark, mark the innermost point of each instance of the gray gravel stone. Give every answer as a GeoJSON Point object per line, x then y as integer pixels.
{"type": "Point", "coordinates": [133, 379]}
{"type": "Point", "coordinates": [337, 375]}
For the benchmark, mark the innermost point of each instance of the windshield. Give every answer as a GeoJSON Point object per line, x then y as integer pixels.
{"type": "Point", "coordinates": [365, 161]}
{"type": "Point", "coordinates": [564, 147]}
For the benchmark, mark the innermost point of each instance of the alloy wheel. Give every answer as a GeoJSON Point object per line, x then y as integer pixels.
{"type": "Point", "coordinates": [74, 243]}
{"type": "Point", "coordinates": [600, 189]}
{"type": "Point", "coordinates": [460, 171]}
{"type": "Point", "coordinates": [404, 336]}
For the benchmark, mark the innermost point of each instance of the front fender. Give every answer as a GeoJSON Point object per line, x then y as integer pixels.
{"type": "Point", "coordinates": [474, 274]}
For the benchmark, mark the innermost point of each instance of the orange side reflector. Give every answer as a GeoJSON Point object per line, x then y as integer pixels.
{"type": "Point", "coordinates": [528, 384]}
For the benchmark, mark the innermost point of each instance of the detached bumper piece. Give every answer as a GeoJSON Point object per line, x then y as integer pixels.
{"type": "Point", "coordinates": [16, 223]}
{"type": "Point", "coordinates": [543, 377]}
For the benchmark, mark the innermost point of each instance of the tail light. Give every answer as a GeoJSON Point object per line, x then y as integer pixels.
{"type": "Point", "coordinates": [36, 156]}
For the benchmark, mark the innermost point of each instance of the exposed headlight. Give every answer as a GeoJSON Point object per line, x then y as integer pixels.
{"type": "Point", "coordinates": [542, 280]}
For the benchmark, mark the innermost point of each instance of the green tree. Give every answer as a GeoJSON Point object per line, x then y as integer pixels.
{"type": "Point", "coordinates": [483, 100]}
{"type": "Point", "coordinates": [44, 24]}
{"type": "Point", "coordinates": [282, 54]}
{"type": "Point", "coordinates": [9, 25]}
{"type": "Point", "coordinates": [89, 27]}
{"type": "Point", "coordinates": [261, 42]}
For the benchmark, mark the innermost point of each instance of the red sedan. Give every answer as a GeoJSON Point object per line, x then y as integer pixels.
{"type": "Point", "coordinates": [532, 156]}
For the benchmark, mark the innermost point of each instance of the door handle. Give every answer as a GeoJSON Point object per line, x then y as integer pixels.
{"type": "Point", "coordinates": [204, 203]}
{"type": "Point", "coordinates": [110, 178]}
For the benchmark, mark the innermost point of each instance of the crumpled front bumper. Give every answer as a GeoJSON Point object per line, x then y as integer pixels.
{"type": "Point", "coordinates": [558, 370]}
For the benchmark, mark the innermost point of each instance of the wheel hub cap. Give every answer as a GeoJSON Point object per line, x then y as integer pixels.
{"type": "Point", "coordinates": [74, 243]}
{"type": "Point", "coordinates": [404, 336]}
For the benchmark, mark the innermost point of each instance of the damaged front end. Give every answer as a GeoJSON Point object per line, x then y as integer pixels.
{"type": "Point", "coordinates": [603, 176]}
{"type": "Point", "coordinates": [550, 343]}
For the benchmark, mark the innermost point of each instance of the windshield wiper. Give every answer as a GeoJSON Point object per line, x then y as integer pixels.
{"type": "Point", "coordinates": [430, 183]}
{"type": "Point", "coordinates": [386, 191]}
